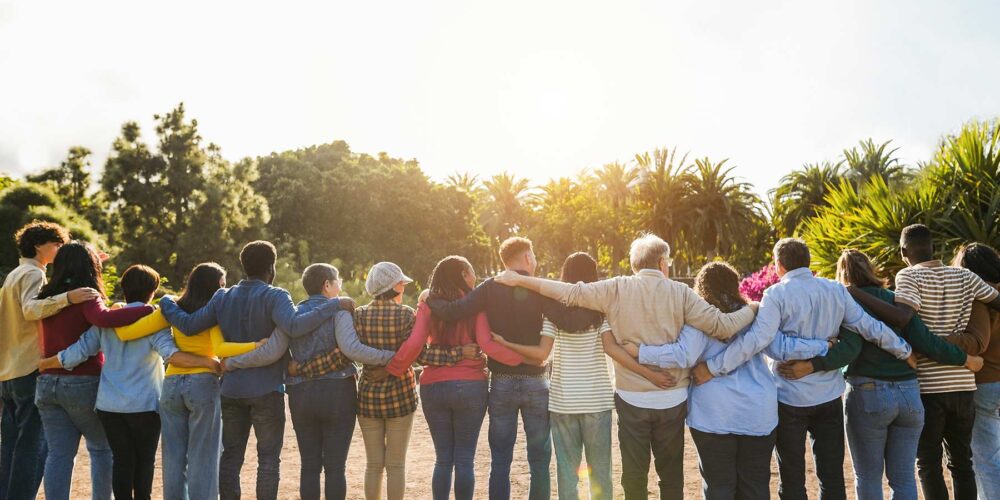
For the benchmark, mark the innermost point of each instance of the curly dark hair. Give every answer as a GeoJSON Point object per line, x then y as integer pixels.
{"type": "Point", "coordinates": [980, 259]}
{"type": "Point", "coordinates": [719, 284]}
{"type": "Point", "coordinates": [39, 233]}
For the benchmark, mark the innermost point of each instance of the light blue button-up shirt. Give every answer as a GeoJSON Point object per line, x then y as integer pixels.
{"type": "Point", "coordinates": [743, 402]}
{"type": "Point", "coordinates": [804, 306]}
{"type": "Point", "coordinates": [132, 375]}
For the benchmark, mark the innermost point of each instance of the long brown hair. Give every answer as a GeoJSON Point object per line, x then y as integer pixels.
{"type": "Point", "coordinates": [76, 266]}
{"type": "Point", "coordinates": [855, 268]}
{"type": "Point", "coordinates": [205, 279]}
{"type": "Point", "coordinates": [719, 284]}
{"type": "Point", "coordinates": [447, 283]}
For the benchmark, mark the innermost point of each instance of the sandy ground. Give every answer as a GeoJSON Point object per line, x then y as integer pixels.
{"type": "Point", "coordinates": [420, 464]}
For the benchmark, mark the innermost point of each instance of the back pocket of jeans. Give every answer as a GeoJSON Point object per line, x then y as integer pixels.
{"type": "Point", "coordinates": [873, 401]}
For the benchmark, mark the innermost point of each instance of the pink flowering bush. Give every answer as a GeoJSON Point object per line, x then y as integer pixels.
{"type": "Point", "coordinates": [753, 286]}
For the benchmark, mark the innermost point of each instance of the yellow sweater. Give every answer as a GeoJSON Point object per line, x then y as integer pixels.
{"type": "Point", "coordinates": [208, 343]}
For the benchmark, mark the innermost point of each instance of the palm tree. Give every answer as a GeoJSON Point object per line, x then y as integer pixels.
{"type": "Point", "coordinates": [505, 211]}
{"type": "Point", "coordinates": [617, 183]}
{"type": "Point", "coordinates": [662, 198]}
{"type": "Point", "coordinates": [465, 182]}
{"type": "Point", "coordinates": [868, 160]}
{"type": "Point", "coordinates": [723, 210]}
{"type": "Point", "coordinates": [801, 192]}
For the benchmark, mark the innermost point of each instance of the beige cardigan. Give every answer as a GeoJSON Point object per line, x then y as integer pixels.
{"type": "Point", "coordinates": [649, 308]}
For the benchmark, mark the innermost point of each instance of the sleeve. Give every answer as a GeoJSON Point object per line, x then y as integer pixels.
{"type": "Point", "coordinates": [907, 290]}
{"type": "Point", "coordinates": [497, 351]}
{"type": "Point", "coordinates": [268, 354]}
{"type": "Point", "coordinates": [196, 322]}
{"type": "Point", "coordinates": [143, 327]}
{"type": "Point", "coordinates": [439, 355]}
{"type": "Point", "coordinates": [98, 314]}
{"type": "Point", "coordinates": [469, 305]}
{"type": "Point", "coordinates": [569, 319]}
{"type": "Point", "coordinates": [352, 347]}
{"type": "Point", "coordinates": [328, 362]}
{"type": "Point", "coordinates": [35, 309]}
{"type": "Point", "coordinates": [597, 295]}
{"type": "Point", "coordinates": [744, 347]}
{"type": "Point", "coordinates": [684, 353]}
{"type": "Point", "coordinates": [789, 348]}
{"type": "Point", "coordinates": [981, 289]}
{"type": "Point", "coordinates": [411, 348]}
{"type": "Point", "coordinates": [709, 319]}
{"type": "Point", "coordinates": [298, 323]}
{"type": "Point", "coordinates": [844, 353]}
{"type": "Point", "coordinates": [163, 342]}
{"type": "Point", "coordinates": [871, 329]}
{"type": "Point", "coordinates": [945, 350]}
{"type": "Point", "coordinates": [548, 329]}
{"type": "Point", "coordinates": [87, 346]}
{"type": "Point", "coordinates": [224, 349]}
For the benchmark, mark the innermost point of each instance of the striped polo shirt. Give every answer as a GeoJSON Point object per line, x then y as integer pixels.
{"type": "Point", "coordinates": [581, 381]}
{"type": "Point", "coordinates": [943, 296]}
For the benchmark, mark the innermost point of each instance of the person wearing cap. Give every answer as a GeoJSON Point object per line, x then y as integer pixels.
{"type": "Point", "coordinates": [386, 406]}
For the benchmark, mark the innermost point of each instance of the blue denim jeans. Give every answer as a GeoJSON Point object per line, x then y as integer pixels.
{"type": "Point", "coordinates": [986, 440]}
{"type": "Point", "coordinates": [66, 406]}
{"type": "Point", "coordinates": [191, 423]}
{"type": "Point", "coordinates": [574, 434]}
{"type": "Point", "coordinates": [454, 411]}
{"type": "Point", "coordinates": [266, 414]}
{"type": "Point", "coordinates": [323, 415]}
{"type": "Point", "coordinates": [22, 442]}
{"type": "Point", "coordinates": [884, 420]}
{"type": "Point", "coordinates": [530, 397]}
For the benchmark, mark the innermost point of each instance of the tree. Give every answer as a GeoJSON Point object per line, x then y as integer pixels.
{"type": "Point", "coordinates": [957, 195]}
{"type": "Point", "coordinates": [801, 192]}
{"type": "Point", "coordinates": [662, 199]}
{"type": "Point", "coordinates": [723, 210]}
{"type": "Point", "coordinates": [182, 203]}
{"type": "Point", "coordinates": [506, 211]}
{"type": "Point", "coordinates": [25, 202]}
{"type": "Point", "coordinates": [868, 160]}
{"type": "Point", "coordinates": [71, 179]}
{"type": "Point", "coordinates": [617, 184]}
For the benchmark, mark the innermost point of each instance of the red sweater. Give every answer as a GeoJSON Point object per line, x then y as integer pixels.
{"type": "Point", "coordinates": [65, 328]}
{"type": "Point", "coordinates": [467, 369]}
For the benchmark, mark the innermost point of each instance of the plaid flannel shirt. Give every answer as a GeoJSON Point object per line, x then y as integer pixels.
{"type": "Point", "coordinates": [335, 361]}
{"type": "Point", "coordinates": [383, 324]}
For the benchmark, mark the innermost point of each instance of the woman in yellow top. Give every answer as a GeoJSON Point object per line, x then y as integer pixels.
{"type": "Point", "coordinates": [190, 408]}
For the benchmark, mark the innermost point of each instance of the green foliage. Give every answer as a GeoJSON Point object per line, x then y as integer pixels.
{"type": "Point", "coordinates": [328, 203]}
{"type": "Point", "coordinates": [181, 204]}
{"type": "Point", "coordinates": [957, 195]}
{"type": "Point", "coordinates": [22, 203]}
{"type": "Point", "coordinates": [801, 193]}
{"type": "Point", "coordinates": [71, 179]}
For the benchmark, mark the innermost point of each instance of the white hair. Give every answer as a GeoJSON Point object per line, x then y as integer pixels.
{"type": "Point", "coordinates": [647, 251]}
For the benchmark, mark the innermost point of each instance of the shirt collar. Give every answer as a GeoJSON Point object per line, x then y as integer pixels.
{"type": "Point", "coordinates": [801, 272]}
{"type": "Point", "coordinates": [33, 262]}
{"type": "Point", "coordinates": [656, 273]}
{"type": "Point", "coordinates": [930, 263]}
{"type": "Point", "coordinates": [251, 282]}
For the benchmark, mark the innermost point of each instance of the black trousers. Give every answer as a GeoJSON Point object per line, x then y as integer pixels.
{"type": "Point", "coordinates": [133, 438]}
{"type": "Point", "coordinates": [948, 419]}
{"type": "Point", "coordinates": [734, 466]}
{"type": "Point", "coordinates": [825, 425]}
{"type": "Point", "coordinates": [641, 430]}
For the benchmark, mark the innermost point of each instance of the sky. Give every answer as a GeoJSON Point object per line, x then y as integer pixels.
{"type": "Point", "coordinates": [538, 89]}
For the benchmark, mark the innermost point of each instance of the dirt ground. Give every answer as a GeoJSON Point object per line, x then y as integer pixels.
{"type": "Point", "coordinates": [420, 464]}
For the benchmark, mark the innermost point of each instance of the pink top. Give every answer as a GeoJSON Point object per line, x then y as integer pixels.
{"type": "Point", "coordinates": [467, 369]}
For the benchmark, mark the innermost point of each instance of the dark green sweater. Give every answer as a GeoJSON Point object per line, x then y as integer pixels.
{"type": "Point", "coordinates": [868, 360]}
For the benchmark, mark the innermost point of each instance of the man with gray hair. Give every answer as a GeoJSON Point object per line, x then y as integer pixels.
{"type": "Point", "coordinates": [646, 308]}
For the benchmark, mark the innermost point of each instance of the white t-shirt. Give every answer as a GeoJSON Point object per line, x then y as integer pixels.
{"type": "Point", "coordinates": [580, 381]}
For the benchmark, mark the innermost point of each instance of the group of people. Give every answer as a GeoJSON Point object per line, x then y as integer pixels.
{"type": "Point", "coordinates": [750, 380]}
